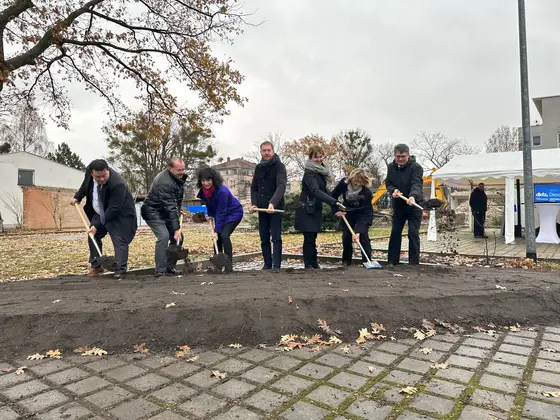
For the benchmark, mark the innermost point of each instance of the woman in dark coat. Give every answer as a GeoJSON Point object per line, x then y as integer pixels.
{"type": "Point", "coordinates": [309, 214]}
{"type": "Point", "coordinates": [222, 206]}
{"type": "Point", "coordinates": [357, 199]}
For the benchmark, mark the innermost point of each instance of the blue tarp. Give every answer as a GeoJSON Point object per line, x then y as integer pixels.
{"type": "Point", "coordinates": [197, 209]}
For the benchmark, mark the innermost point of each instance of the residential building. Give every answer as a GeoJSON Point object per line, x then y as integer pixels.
{"type": "Point", "coordinates": [238, 174]}
{"type": "Point", "coordinates": [35, 192]}
{"type": "Point", "coordinates": [547, 134]}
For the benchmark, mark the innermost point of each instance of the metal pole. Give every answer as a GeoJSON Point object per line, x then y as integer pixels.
{"type": "Point", "coordinates": [530, 244]}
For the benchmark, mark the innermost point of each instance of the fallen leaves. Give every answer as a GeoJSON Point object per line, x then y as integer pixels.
{"type": "Point", "coordinates": [96, 351]}
{"type": "Point", "coordinates": [439, 366]}
{"type": "Point", "coordinates": [81, 349]}
{"type": "Point", "coordinates": [36, 356]}
{"type": "Point", "coordinates": [500, 287]}
{"type": "Point", "coordinates": [235, 346]}
{"type": "Point", "coordinates": [419, 335]}
{"type": "Point", "coordinates": [410, 390]}
{"type": "Point", "coordinates": [334, 340]}
{"type": "Point", "coordinates": [515, 328]}
{"type": "Point", "coordinates": [290, 299]}
{"type": "Point", "coordinates": [454, 328]}
{"type": "Point", "coordinates": [375, 333]}
{"type": "Point", "coordinates": [551, 394]}
{"type": "Point", "coordinates": [364, 336]}
{"type": "Point", "coordinates": [56, 301]}
{"type": "Point", "coordinates": [218, 374]}
{"type": "Point", "coordinates": [371, 369]}
{"type": "Point", "coordinates": [184, 348]}
{"type": "Point", "coordinates": [325, 327]}
{"type": "Point", "coordinates": [491, 333]}
{"type": "Point", "coordinates": [170, 305]}
{"type": "Point", "coordinates": [426, 350]}
{"type": "Point", "coordinates": [397, 275]}
{"type": "Point", "coordinates": [8, 369]}
{"type": "Point", "coordinates": [140, 348]}
{"type": "Point", "coordinates": [20, 370]}
{"type": "Point", "coordinates": [54, 354]}
{"type": "Point", "coordinates": [550, 350]}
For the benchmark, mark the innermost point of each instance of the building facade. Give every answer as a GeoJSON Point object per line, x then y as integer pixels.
{"type": "Point", "coordinates": [547, 134]}
{"type": "Point", "coordinates": [237, 174]}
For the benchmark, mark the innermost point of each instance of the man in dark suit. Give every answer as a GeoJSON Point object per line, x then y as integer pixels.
{"type": "Point", "coordinates": [479, 205]}
{"type": "Point", "coordinates": [110, 209]}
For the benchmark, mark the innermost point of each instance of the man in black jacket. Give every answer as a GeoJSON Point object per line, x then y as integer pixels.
{"type": "Point", "coordinates": [267, 191]}
{"type": "Point", "coordinates": [478, 202]}
{"type": "Point", "coordinates": [404, 177]}
{"type": "Point", "coordinates": [110, 209]}
{"type": "Point", "coordinates": [161, 212]}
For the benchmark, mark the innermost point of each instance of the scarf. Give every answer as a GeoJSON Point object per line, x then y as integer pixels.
{"type": "Point", "coordinates": [208, 192]}
{"type": "Point", "coordinates": [319, 168]}
{"type": "Point", "coordinates": [352, 193]}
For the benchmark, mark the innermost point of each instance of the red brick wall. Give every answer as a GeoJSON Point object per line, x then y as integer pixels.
{"type": "Point", "coordinates": [39, 204]}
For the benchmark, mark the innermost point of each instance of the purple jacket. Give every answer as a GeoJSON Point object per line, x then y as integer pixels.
{"type": "Point", "coordinates": [223, 207]}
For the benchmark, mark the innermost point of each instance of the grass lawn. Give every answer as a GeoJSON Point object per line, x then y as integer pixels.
{"type": "Point", "coordinates": [48, 254]}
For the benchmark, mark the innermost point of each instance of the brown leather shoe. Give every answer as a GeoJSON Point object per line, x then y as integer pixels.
{"type": "Point", "coordinates": [95, 271]}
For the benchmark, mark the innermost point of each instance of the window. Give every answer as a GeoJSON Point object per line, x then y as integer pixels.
{"type": "Point", "coordinates": [26, 177]}
{"type": "Point", "coordinates": [536, 141]}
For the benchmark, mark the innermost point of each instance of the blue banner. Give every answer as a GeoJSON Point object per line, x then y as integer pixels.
{"type": "Point", "coordinates": [547, 193]}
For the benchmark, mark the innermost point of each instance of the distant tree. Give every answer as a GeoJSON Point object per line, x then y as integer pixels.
{"type": "Point", "coordinates": [5, 148]}
{"type": "Point", "coordinates": [141, 147]}
{"type": "Point", "coordinates": [25, 131]}
{"type": "Point", "coordinates": [503, 139]}
{"type": "Point", "coordinates": [384, 152]}
{"type": "Point", "coordinates": [356, 149]}
{"type": "Point", "coordinates": [436, 149]}
{"type": "Point", "coordinates": [64, 155]}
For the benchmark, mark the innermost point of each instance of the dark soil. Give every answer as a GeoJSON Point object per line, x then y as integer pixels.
{"type": "Point", "coordinates": [252, 307]}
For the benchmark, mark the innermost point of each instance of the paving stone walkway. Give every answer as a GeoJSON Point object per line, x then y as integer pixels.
{"type": "Point", "coordinates": [500, 377]}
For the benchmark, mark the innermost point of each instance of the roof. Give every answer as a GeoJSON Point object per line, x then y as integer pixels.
{"type": "Point", "coordinates": [538, 102]}
{"type": "Point", "coordinates": [6, 158]}
{"type": "Point", "coordinates": [493, 168]}
{"type": "Point", "coordinates": [235, 164]}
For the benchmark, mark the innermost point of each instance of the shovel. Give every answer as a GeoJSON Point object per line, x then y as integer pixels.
{"type": "Point", "coordinates": [267, 211]}
{"type": "Point", "coordinates": [108, 263]}
{"type": "Point", "coordinates": [176, 252]}
{"type": "Point", "coordinates": [431, 204]}
{"type": "Point", "coordinates": [369, 263]}
{"type": "Point", "coordinates": [220, 260]}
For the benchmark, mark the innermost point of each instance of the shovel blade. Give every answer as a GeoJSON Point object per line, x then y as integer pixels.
{"type": "Point", "coordinates": [372, 265]}
{"type": "Point", "coordinates": [108, 263]}
{"type": "Point", "coordinates": [176, 253]}
{"type": "Point", "coordinates": [220, 260]}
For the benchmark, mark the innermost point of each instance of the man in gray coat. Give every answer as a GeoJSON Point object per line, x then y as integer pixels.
{"type": "Point", "coordinates": [161, 212]}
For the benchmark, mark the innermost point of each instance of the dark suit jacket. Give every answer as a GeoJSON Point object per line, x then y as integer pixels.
{"type": "Point", "coordinates": [118, 203]}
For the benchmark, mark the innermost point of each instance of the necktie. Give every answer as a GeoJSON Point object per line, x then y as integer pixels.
{"type": "Point", "coordinates": [101, 207]}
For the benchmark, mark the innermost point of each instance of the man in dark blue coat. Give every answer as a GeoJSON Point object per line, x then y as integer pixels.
{"type": "Point", "coordinates": [110, 209]}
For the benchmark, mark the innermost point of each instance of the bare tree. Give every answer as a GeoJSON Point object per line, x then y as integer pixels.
{"type": "Point", "coordinates": [98, 43]}
{"type": "Point", "coordinates": [25, 132]}
{"type": "Point", "coordinates": [14, 205]}
{"type": "Point", "coordinates": [384, 152]}
{"type": "Point", "coordinates": [503, 139]}
{"type": "Point", "coordinates": [436, 149]}
{"type": "Point", "coordinates": [276, 138]}
{"type": "Point", "coordinates": [56, 205]}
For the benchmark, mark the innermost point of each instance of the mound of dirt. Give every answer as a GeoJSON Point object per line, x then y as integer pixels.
{"type": "Point", "coordinates": [252, 307]}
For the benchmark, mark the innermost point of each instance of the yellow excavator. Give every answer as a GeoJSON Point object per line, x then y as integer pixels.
{"type": "Point", "coordinates": [439, 190]}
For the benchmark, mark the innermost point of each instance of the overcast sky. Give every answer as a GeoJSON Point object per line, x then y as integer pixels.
{"type": "Point", "coordinates": [392, 68]}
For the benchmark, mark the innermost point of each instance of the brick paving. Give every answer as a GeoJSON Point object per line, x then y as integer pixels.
{"type": "Point", "coordinates": [470, 246]}
{"type": "Point", "coordinates": [501, 377]}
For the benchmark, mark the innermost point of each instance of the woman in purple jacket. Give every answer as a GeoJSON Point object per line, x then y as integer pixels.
{"type": "Point", "coordinates": [222, 206]}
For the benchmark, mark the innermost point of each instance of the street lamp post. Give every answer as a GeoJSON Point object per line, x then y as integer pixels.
{"type": "Point", "coordinates": [530, 244]}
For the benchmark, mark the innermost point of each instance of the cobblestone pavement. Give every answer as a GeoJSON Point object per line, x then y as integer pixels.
{"type": "Point", "coordinates": [501, 377]}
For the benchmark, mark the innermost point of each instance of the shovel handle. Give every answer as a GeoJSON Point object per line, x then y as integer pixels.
{"type": "Point", "coordinates": [352, 232]}
{"type": "Point", "coordinates": [180, 226]}
{"type": "Point", "coordinates": [86, 225]}
{"type": "Point", "coordinates": [266, 210]}
{"type": "Point", "coordinates": [213, 241]}
{"type": "Point", "coordinates": [414, 204]}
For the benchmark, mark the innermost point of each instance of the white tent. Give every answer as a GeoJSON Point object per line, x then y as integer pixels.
{"type": "Point", "coordinates": [500, 169]}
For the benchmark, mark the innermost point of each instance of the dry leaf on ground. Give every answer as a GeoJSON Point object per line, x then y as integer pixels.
{"type": "Point", "coordinates": [36, 356]}
{"type": "Point", "coordinates": [426, 350]}
{"type": "Point", "coordinates": [8, 369]}
{"type": "Point", "coordinates": [515, 328]}
{"type": "Point", "coordinates": [371, 369]}
{"type": "Point", "coordinates": [184, 348]}
{"type": "Point", "coordinates": [315, 349]}
{"type": "Point", "coordinates": [491, 333]}
{"type": "Point", "coordinates": [170, 305]}
{"type": "Point", "coordinates": [439, 366]}
{"type": "Point", "coordinates": [56, 301]}
{"type": "Point", "coordinates": [235, 346]}
{"type": "Point", "coordinates": [376, 328]}
{"type": "Point", "coordinates": [551, 394]}
{"type": "Point", "coordinates": [54, 354]}
{"type": "Point", "coordinates": [81, 349]}
{"type": "Point", "coordinates": [334, 340]}
{"type": "Point", "coordinates": [140, 348]}
{"type": "Point", "coordinates": [346, 349]}
{"type": "Point", "coordinates": [179, 354]}
{"type": "Point", "coordinates": [192, 359]}
{"type": "Point", "coordinates": [20, 370]}
{"type": "Point", "coordinates": [218, 374]}
{"type": "Point", "coordinates": [419, 335]}
{"type": "Point", "coordinates": [324, 326]}
{"type": "Point", "coordinates": [550, 350]}
{"type": "Point", "coordinates": [410, 390]}
{"type": "Point", "coordinates": [364, 336]}
{"type": "Point", "coordinates": [285, 339]}
{"type": "Point", "coordinates": [398, 275]}
{"type": "Point", "coordinates": [261, 346]}
{"type": "Point", "coordinates": [96, 351]}
{"type": "Point", "coordinates": [500, 287]}
{"type": "Point", "coordinates": [479, 329]}
{"type": "Point", "coordinates": [290, 299]}
{"type": "Point", "coordinates": [317, 338]}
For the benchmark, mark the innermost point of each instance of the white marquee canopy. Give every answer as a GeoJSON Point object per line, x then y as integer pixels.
{"type": "Point", "coordinates": [500, 169]}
